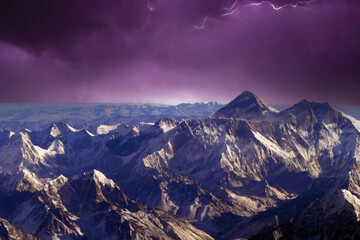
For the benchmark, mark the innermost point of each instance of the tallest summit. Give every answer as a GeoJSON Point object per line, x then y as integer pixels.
{"type": "Point", "coordinates": [246, 105]}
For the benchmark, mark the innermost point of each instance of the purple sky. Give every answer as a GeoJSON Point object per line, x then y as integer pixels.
{"type": "Point", "coordinates": [173, 51]}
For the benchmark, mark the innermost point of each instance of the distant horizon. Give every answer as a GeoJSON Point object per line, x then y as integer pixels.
{"type": "Point", "coordinates": [165, 103]}
{"type": "Point", "coordinates": [175, 102]}
{"type": "Point", "coordinates": [33, 116]}
{"type": "Point", "coordinates": [152, 103]}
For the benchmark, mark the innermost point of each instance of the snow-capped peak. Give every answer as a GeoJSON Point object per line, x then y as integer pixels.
{"type": "Point", "coordinates": [120, 128]}
{"type": "Point", "coordinates": [61, 128]}
{"type": "Point", "coordinates": [57, 147]}
{"type": "Point", "coordinates": [246, 105]}
{"type": "Point", "coordinates": [97, 176]}
{"type": "Point", "coordinates": [101, 178]}
{"type": "Point", "coordinates": [167, 124]}
{"type": "Point", "coordinates": [28, 181]}
{"type": "Point", "coordinates": [306, 106]}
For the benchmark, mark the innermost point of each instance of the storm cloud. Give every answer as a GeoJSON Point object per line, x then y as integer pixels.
{"type": "Point", "coordinates": [179, 50]}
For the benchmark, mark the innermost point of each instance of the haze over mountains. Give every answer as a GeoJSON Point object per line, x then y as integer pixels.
{"type": "Point", "coordinates": [17, 117]}
{"type": "Point", "coordinates": [249, 171]}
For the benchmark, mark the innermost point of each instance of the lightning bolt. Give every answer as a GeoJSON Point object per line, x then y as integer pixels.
{"type": "Point", "coordinates": [234, 9]}
{"type": "Point", "coordinates": [277, 8]}
{"type": "Point", "coordinates": [231, 10]}
{"type": "Point", "coordinates": [230, 13]}
{"type": "Point", "coordinates": [202, 26]}
{"type": "Point", "coordinates": [231, 7]}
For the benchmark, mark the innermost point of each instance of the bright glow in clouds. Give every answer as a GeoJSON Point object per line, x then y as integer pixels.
{"type": "Point", "coordinates": [179, 51]}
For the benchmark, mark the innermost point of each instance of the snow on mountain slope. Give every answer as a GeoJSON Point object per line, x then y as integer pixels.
{"type": "Point", "coordinates": [237, 152]}
{"type": "Point", "coordinates": [185, 197]}
{"type": "Point", "coordinates": [238, 144]}
{"type": "Point", "coordinates": [61, 128]}
{"type": "Point", "coordinates": [167, 124]}
{"type": "Point", "coordinates": [90, 206]}
{"type": "Point", "coordinates": [119, 129]}
{"type": "Point", "coordinates": [23, 180]}
{"type": "Point", "coordinates": [19, 152]}
{"type": "Point", "coordinates": [248, 171]}
{"type": "Point", "coordinates": [65, 150]}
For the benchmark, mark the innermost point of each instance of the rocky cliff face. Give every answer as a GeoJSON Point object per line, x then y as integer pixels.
{"type": "Point", "coordinates": [10, 232]}
{"type": "Point", "coordinates": [240, 164]}
{"type": "Point", "coordinates": [88, 206]}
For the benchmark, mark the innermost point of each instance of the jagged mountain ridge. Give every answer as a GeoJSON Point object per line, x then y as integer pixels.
{"type": "Point", "coordinates": [89, 206]}
{"type": "Point", "coordinates": [231, 175]}
{"type": "Point", "coordinates": [230, 157]}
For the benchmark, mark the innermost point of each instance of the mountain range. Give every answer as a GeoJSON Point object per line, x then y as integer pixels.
{"type": "Point", "coordinates": [249, 171]}
{"type": "Point", "coordinates": [17, 117]}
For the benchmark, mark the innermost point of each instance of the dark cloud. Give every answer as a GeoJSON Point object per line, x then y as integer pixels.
{"type": "Point", "coordinates": [141, 50]}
